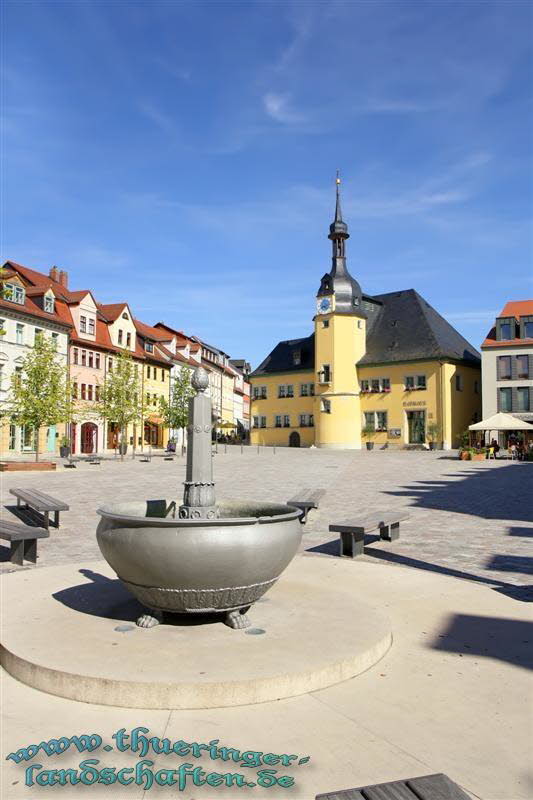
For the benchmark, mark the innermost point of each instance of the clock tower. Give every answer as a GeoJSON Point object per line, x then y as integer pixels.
{"type": "Point", "coordinates": [340, 342]}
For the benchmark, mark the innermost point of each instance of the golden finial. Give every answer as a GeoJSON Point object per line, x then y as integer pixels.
{"type": "Point", "coordinates": [338, 179]}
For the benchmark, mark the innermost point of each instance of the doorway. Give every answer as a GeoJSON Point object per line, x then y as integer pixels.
{"type": "Point", "coordinates": [294, 439]}
{"type": "Point", "coordinates": [416, 422]}
{"type": "Point", "coordinates": [27, 437]}
{"type": "Point", "coordinates": [51, 439]}
{"type": "Point", "coordinates": [89, 437]}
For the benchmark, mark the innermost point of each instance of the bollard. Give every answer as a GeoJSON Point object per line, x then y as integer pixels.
{"type": "Point", "coordinates": [242, 450]}
{"type": "Point", "coordinates": [274, 450]}
{"type": "Point", "coordinates": [257, 449]}
{"type": "Point", "coordinates": [225, 449]}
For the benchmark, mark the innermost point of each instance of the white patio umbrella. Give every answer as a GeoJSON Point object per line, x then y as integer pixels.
{"type": "Point", "coordinates": [501, 422]}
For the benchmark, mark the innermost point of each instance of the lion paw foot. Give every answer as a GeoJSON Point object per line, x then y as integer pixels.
{"type": "Point", "coordinates": [150, 619]}
{"type": "Point", "coordinates": [237, 620]}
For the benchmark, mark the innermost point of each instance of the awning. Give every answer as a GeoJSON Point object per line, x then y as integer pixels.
{"type": "Point", "coordinates": [225, 425]}
{"type": "Point", "coordinates": [155, 420]}
{"type": "Point", "coordinates": [501, 422]}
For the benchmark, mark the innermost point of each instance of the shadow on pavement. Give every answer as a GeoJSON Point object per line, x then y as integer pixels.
{"type": "Point", "coordinates": [522, 593]}
{"type": "Point", "coordinates": [108, 598]}
{"type": "Point", "coordinates": [525, 532]}
{"type": "Point", "coordinates": [485, 492]}
{"type": "Point", "coordinates": [490, 637]}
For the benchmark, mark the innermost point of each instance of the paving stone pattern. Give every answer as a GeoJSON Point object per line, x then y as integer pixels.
{"type": "Point", "coordinates": [473, 520]}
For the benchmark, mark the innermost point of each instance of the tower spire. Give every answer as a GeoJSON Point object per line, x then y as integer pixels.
{"type": "Point", "coordinates": [338, 281]}
{"type": "Point", "coordinates": [338, 210]}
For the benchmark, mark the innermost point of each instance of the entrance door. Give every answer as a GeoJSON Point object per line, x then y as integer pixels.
{"type": "Point", "coordinates": [89, 437]}
{"type": "Point", "coordinates": [27, 437]}
{"type": "Point", "coordinates": [51, 439]}
{"type": "Point", "coordinates": [294, 439]}
{"type": "Point", "coordinates": [112, 436]}
{"type": "Point", "coordinates": [416, 420]}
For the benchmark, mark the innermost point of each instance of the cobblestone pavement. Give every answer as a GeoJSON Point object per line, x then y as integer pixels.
{"type": "Point", "coordinates": [473, 520]}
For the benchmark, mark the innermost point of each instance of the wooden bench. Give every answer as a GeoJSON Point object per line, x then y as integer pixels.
{"type": "Point", "coordinates": [427, 787]}
{"type": "Point", "coordinates": [42, 502]}
{"type": "Point", "coordinates": [23, 540]}
{"type": "Point", "coordinates": [352, 532]}
{"type": "Point", "coordinates": [306, 500]}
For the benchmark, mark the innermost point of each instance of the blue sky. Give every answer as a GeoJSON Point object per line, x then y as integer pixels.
{"type": "Point", "coordinates": [181, 155]}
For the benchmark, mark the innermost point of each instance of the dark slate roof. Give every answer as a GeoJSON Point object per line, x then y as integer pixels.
{"type": "Point", "coordinates": [406, 328]}
{"type": "Point", "coordinates": [281, 358]}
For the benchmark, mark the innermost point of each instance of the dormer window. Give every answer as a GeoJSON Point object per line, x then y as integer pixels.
{"type": "Point", "coordinates": [91, 326]}
{"type": "Point", "coordinates": [296, 357]}
{"type": "Point", "coordinates": [149, 347]}
{"type": "Point", "coordinates": [125, 316]}
{"type": "Point", "coordinates": [49, 303]}
{"type": "Point", "coordinates": [528, 329]}
{"type": "Point", "coordinates": [505, 330]}
{"type": "Point", "coordinates": [83, 324]}
{"type": "Point", "coordinates": [15, 293]}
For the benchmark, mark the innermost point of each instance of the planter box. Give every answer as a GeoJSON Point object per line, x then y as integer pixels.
{"type": "Point", "coordinates": [26, 466]}
{"type": "Point", "coordinates": [478, 457]}
{"type": "Point", "coordinates": [464, 456]}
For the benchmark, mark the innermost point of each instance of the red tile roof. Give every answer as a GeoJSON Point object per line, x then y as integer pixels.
{"type": "Point", "coordinates": [150, 332]}
{"type": "Point", "coordinates": [111, 311]}
{"type": "Point", "coordinates": [517, 309]}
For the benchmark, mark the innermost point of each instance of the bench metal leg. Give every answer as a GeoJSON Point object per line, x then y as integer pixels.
{"type": "Point", "coordinates": [17, 552]}
{"type": "Point", "coordinates": [351, 546]}
{"type": "Point", "coordinates": [390, 532]}
{"type": "Point", "coordinates": [56, 519]}
{"type": "Point", "coordinates": [30, 550]}
{"type": "Point", "coordinates": [46, 515]}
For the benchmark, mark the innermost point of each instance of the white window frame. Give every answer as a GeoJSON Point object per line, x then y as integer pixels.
{"type": "Point", "coordinates": [48, 304]}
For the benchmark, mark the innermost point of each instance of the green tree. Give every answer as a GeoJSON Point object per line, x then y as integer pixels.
{"type": "Point", "coordinates": [40, 392]}
{"type": "Point", "coordinates": [175, 411]}
{"type": "Point", "coordinates": [121, 398]}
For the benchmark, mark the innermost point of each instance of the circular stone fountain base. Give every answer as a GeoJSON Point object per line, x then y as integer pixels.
{"type": "Point", "coordinates": [72, 633]}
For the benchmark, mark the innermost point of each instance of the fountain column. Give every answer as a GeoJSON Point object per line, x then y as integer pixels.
{"type": "Point", "coordinates": [199, 493]}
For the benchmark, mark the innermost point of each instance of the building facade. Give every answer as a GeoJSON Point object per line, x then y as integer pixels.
{"type": "Point", "coordinates": [507, 362]}
{"type": "Point", "coordinates": [90, 336]}
{"type": "Point", "coordinates": [386, 369]}
{"type": "Point", "coordinates": [30, 307]}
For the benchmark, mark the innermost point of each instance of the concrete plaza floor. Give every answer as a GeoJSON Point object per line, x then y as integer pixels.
{"type": "Point", "coordinates": [452, 694]}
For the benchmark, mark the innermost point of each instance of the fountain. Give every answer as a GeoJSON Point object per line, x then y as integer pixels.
{"type": "Point", "coordinates": [212, 557]}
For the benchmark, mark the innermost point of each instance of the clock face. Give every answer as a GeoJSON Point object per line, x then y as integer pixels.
{"type": "Point", "coordinates": [323, 305]}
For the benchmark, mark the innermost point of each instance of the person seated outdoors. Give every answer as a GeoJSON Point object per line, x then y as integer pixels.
{"type": "Point", "coordinates": [496, 447]}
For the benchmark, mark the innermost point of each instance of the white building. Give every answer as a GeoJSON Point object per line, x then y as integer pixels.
{"type": "Point", "coordinates": [32, 306]}
{"type": "Point", "coordinates": [507, 362]}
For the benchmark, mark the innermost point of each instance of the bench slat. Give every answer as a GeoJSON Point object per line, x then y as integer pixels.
{"type": "Point", "coordinates": [19, 536]}
{"type": "Point", "coordinates": [369, 523]}
{"type": "Point", "coordinates": [39, 500]}
{"type": "Point", "coordinates": [427, 787]}
{"type": "Point", "coordinates": [436, 787]}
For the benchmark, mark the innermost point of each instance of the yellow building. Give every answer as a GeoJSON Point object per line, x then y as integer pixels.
{"type": "Point", "coordinates": [386, 369]}
{"type": "Point", "coordinates": [155, 360]}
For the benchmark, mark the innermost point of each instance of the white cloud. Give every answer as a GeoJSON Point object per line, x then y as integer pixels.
{"type": "Point", "coordinates": [277, 106]}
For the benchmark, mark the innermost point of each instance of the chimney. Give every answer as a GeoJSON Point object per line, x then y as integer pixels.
{"type": "Point", "coordinates": [63, 278]}
{"type": "Point", "coordinates": [54, 274]}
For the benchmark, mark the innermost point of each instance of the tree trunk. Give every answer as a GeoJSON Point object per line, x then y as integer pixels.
{"type": "Point", "coordinates": [182, 442]}
{"type": "Point", "coordinates": [121, 448]}
{"type": "Point", "coordinates": [37, 430]}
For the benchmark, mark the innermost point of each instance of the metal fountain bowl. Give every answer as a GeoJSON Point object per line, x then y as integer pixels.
{"type": "Point", "coordinates": [198, 565]}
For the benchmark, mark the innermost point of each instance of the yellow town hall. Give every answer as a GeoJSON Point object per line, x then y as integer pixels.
{"type": "Point", "coordinates": [386, 369]}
